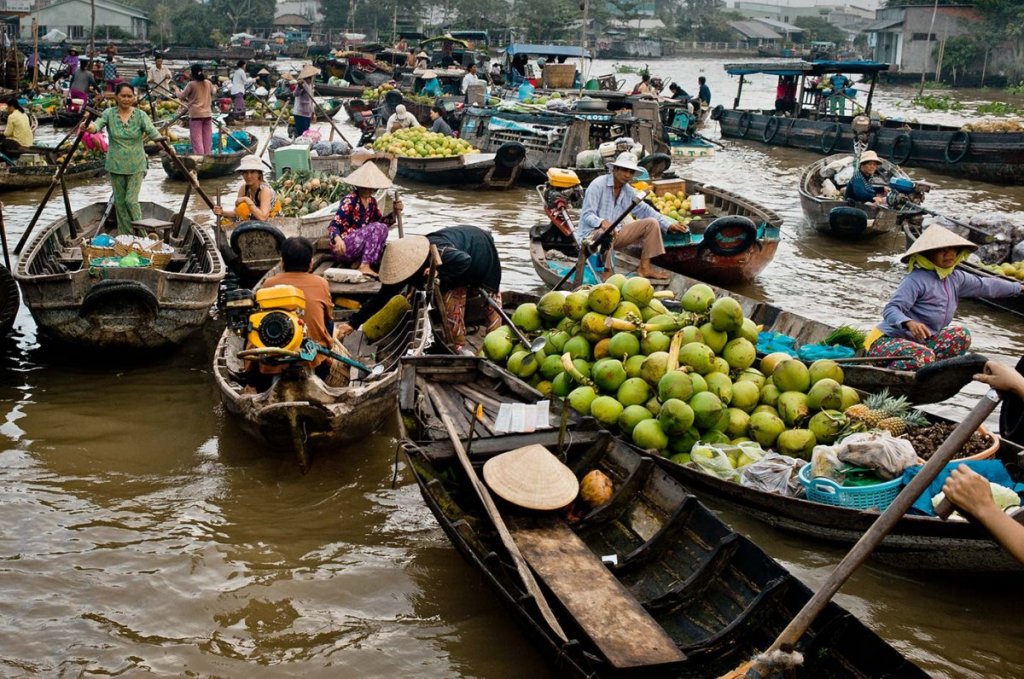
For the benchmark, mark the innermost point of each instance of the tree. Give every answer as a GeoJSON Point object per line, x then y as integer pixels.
{"type": "Point", "coordinates": [548, 20]}
{"type": "Point", "coordinates": [626, 11]}
{"type": "Point", "coordinates": [335, 13]}
{"type": "Point", "coordinates": [817, 28]}
{"type": "Point", "coordinates": [193, 24]}
{"type": "Point", "coordinates": [1002, 27]}
{"type": "Point", "coordinates": [959, 55]}
{"type": "Point", "coordinates": [245, 14]}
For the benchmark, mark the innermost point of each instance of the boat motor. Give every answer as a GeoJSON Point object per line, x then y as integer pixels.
{"type": "Point", "coordinates": [561, 192]}
{"type": "Point", "coordinates": [905, 193]}
{"type": "Point", "coordinates": [270, 318]}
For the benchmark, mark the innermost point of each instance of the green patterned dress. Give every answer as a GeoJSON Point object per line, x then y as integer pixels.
{"type": "Point", "coordinates": [126, 161]}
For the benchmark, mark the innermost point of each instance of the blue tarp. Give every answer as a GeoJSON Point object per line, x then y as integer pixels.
{"type": "Point", "coordinates": [795, 68]}
{"type": "Point", "coordinates": [546, 50]}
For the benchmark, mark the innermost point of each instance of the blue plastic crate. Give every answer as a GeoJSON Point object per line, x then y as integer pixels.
{"type": "Point", "coordinates": [826, 491]}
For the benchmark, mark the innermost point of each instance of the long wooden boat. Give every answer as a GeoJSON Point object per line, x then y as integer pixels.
{"type": "Point", "coordinates": [958, 151]}
{"type": "Point", "coordinates": [10, 300]}
{"type": "Point", "coordinates": [651, 583]}
{"type": "Point", "coordinates": [118, 308]}
{"type": "Point", "coordinates": [1014, 305]}
{"type": "Point", "coordinates": [231, 53]}
{"type": "Point", "coordinates": [551, 257]}
{"type": "Point", "coordinates": [223, 161]}
{"type": "Point", "coordinates": [498, 170]}
{"type": "Point", "coordinates": [835, 216]}
{"type": "Point", "coordinates": [325, 90]}
{"type": "Point", "coordinates": [26, 177]}
{"type": "Point", "coordinates": [726, 252]}
{"type": "Point", "coordinates": [303, 413]}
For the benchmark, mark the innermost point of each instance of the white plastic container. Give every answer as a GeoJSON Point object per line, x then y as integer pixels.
{"type": "Point", "coordinates": [697, 204]}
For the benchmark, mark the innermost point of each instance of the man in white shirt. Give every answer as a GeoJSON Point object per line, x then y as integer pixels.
{"type": "Point", "coordinates": [239, 79]}
{"type": "Point", "coordinates": [470, 79]}
{"type": "Point", "coordinates": [160, 80]}
{"type": "Point", "coordinates": [400, 119]}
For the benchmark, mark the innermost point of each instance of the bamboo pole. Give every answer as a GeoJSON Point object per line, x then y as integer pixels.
{"type": "Point", "coordinates": [35, 53]}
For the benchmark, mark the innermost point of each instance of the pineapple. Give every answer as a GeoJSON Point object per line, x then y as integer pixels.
{"type": "Point", "coordinates": [898, 426]}
{"type": "Point", "coordinates": [878, 407]}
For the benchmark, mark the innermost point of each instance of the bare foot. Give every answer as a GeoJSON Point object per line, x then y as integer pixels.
{"type": "Point", "coordinates": [367, 270]}
{"type": "Point", "coordinates": [651, 273]}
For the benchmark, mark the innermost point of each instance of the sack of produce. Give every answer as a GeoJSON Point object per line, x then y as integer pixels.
{"type": "Point", "coordinates": [321, 148]}
{"type": "Point", "coordinates": [277, 142]}
{"type": "Point", "coordinates": [886, 455]}
{"type": "Point", "coordinates": [590, 158]}
{"type": "Point", "coordinates": [340, 147]}
{"type": "Point", "coordinates": [774, 473]}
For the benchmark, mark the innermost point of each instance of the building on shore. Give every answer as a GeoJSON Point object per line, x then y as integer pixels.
{"type": "Point", "coordinates": [905, 37]}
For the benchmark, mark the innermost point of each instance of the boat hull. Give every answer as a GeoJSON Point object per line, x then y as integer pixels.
{"type": "Point", "coordinates": [10, 300]}
{"type": "Point", "coordinates": [13, 179]}
{"type": "Point", "coordinates": [986, 156]}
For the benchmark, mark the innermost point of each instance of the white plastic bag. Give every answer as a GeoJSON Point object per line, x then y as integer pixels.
{"type": "Point", "coordinates": [713, 461]}
{"type": "Point", "coordinates": [886, 455]}
{"type": "Point", "coordinates": [774, 473]}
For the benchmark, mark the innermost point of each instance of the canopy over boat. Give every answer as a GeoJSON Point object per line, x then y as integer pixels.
{"type": "Point", "coordinates": [796, 68]}
{"type": "Point", "coordinates": [547, 50]}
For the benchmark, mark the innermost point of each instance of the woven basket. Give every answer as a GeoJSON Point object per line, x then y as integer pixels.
{"type": "Point", "coordinates": [157, 260]}
{"type": "Point", "coordinates": [91, 252]}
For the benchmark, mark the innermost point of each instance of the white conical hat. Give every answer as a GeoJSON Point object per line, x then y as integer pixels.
{"type": "Point", "coordinates": [936, 237]}
{"type": "Point", "coordinates": [368, 176]}
{"type": "Point", "coordinates": [531, 477]}
{"type": "Point", "coordinates": [403, 257]}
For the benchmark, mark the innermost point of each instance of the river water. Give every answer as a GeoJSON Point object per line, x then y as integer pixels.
{"type": "Point", "coordinates": [146, 535]}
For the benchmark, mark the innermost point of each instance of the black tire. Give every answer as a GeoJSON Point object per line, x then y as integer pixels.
{"type": "Point", "coordinates": [510, 155]}
{"type": "Point", "coordinates": [713, 236]}
{"type": "Point", "coordinates": [119, 292]}
{"type": "Point", "coordinates": [958, 137]}
{"type": "Point", "coordinates": [847, 221]}
{"type": "Point", "coordinates": [836, 131]}
{"type": "Point", "coordinates": [771, 128]}
{"type": "Point", "coordinates": [255, 226]}
{"type": "Point", "coordinates": [393, 98]}
{"type": "Point", "coordinates": [894, 155]}
{"type": "Point", "coordinates": [656, 164]}
{"type": "Point", "coordinates": [743, 125]}
{"type": "Point", "coordinates": [716, 112]}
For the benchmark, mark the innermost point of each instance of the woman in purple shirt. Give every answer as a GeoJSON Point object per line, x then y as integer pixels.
{"type": "Point", "coordinates": [359, 231]}
{"type": "Point", "coordinates": [915, 321]}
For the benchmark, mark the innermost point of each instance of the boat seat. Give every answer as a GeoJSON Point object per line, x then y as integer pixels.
{"type": "Point", "coordinates": [160, 227]}
{"type": "Point", "coordinates": [606, 611]}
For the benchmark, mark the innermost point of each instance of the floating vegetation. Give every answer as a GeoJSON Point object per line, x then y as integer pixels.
{"type": "Point", "coordinates": [999, 108]}
{"type": "Point", "coordinates": [931, 102]}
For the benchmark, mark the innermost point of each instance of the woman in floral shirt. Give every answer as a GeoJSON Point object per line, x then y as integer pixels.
{"type": "Point", "coordinates": [359, 231]}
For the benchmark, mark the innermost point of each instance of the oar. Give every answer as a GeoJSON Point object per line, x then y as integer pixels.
{"type": "Point", "coordinates": [324, 113]}
{"type": "Point", "coordinates": [3, 238]}
{"type": "Point", "coordinates": [492, 512]}
{"type": "Point", "coordinates": [398, 215]}
{"type": "Point", "coordinates": [988, 234]}
{"type": "Point", "coordinates": [57, 177]}
{"type": "Point", "coordinates": [762, 666]}
{"type": "Point", "coordinates": [270, 135]}
{"type": "Point", "coordinates": [535, 345]}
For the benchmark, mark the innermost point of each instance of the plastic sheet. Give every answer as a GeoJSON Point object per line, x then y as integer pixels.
{"type": "Point", "coordinates": [814, 352]}
{"type": "Point", "coordinates": [769, 342]}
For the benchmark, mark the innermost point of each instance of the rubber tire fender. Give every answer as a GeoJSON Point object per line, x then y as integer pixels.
{"type": "Point", "coordinates": [743, 125]}
{"type": "Point", "coordinates": [510, 155]}
{"type": "Point", "coordinates": [393, 98]}
{"type": "Point", "coordinates": [771, 128]}
{"type": "Point", "coordinates": [656, 164]}
{"type": "Point", "coordinates": [250, 227]}
{"type": "Point", "coordinates": [847, 220]}
{"type": "Point", "coordinates": [711, 243]}
{"type": "Point", "coordinates": [960, 136]}
{"type": "Point", "coordinates": [835, 128]}
{"type": "Point", "coordinates": [105, 291]}
{"type": "Point", "coordinates": [903, 137]}
{"type": "Point", "coordinates": [716, 112]}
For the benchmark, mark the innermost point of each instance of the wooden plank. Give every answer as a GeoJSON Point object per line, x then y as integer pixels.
{"type": "Point", "coordinates": [609, 614]}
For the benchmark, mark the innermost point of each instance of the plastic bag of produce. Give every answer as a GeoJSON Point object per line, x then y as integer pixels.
{"type": "Point", "coordinates": [774, 473]}
{"type": "Point", "coordinates": [589, 158]}
{"type": "Point", "coordinates": [713, 460]}
{"type": "Point", "coordinates": [340, 147]}
{"type": "Point", "coordinates": [321, 148]}
{"type": "Point", "coordinates": [1018, 252]}
{"type": "Point", "coordinates": [825, 463]}
{"type": "Point", "coordinates": [277, 142]}
{"type": "Point", "coordinates": [886, 455]}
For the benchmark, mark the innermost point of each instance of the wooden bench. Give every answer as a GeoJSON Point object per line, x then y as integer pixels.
{"type": "Point", "coordinates": [606, 611]}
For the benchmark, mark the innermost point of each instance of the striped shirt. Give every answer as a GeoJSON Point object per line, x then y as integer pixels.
{"type": "Point", "coordinates": [599, 203]}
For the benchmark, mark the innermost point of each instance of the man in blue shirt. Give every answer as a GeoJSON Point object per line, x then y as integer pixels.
{"type": "Point", "coordinates": [860, 189]}
{"type": "Point", "coordinates": [704, 94]}
{"type": "Point", "coordinates": [607, 198]}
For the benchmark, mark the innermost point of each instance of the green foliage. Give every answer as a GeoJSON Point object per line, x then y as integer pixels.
{"type": "Point", "coordinates": [936, 85]}
{"type": "Point", "coordinates": [239, 15]}
{"type": "Point", "coordinates": [1016, 89]}
{"type": "Point", "coordinates": [704, 21]}
{"type": "Point", "coordinates": [930, 102]}
{"type": "Point", "coordinates": [999, 108]}
{"type": "Point", "coordinates": [960, 54]}
{"type": "Point", "coordinates": [192, 24]}
{"type": "Point", "coordinates": [335, 13]}
{"type": "Point", "coordinates": [548, 20]}
{"type": "Point", "coordinates": [817, 28]}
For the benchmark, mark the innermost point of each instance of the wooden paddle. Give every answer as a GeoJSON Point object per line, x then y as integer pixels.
{"type": "Point", "coordinates": [58, 177]}
{"type": "Point", "coordinates": [762, 666]}
{"type": "Point", "coordinates": [492, 512]}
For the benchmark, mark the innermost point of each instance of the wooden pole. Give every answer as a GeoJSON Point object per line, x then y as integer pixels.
{"type": "Point", "coordinates": [35, 53]}
{"type": "Point", "coordinates": [3, 238]}
{"type": "Point", "coordinates": [924, 63]}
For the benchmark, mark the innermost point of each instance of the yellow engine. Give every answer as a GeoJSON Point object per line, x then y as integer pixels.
{"type": "Point", "coordinates": [278, 322]}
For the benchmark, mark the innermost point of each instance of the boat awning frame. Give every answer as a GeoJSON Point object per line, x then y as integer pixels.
{"type": "Point", "coordinates": [547, 50]}
{"type": "Point", "coordinates": [798, 68]}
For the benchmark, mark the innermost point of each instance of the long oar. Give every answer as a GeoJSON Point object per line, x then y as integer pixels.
{"type": "Point", "coordinates": [3, 238]}
{"type": "Point", "coordinates": [492, 512]}
{"type": "Point", "coordinates": [590, 241]}
{"type": "Point", "coordinates": [762, 666]}
{"type": "Point", "coordinates": [57, 177]}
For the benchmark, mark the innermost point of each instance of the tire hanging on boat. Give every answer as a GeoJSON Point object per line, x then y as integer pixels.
{"type": "Point", "coordinates": [120, 293]}
{"type": "Point", "coordinates": [656, 164]}
{"type": "Point", "coordinates": [716, 112]}
{"type": "Point", "coordinates": [743, 126]}
{"type": "Point", "coordinates": [771, 128]}
{"type": "Point", "coordinates": [903, 138]}
{"type": "Point", "coordinates": [847, 220]}
{"type": "Point", "coordinates": [716, 241]}
{"type": "Point", "coordinates": [958, 137]}
{"type": "Point", "coordinates": [837, 130]}
{"type": "Point", "coordinates": [509, 155]}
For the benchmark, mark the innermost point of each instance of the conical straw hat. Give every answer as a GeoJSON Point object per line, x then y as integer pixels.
{"type": "Point", "coordinates": [531, 477]}
{"type": "Point", "coordinates": [308, 71]}
{"type": "Point", "coordinates": [368, 176]}
{"type": "Point", "coordinates": [403, 257]}
{"type": "Point", "coordinates": [936, 237]}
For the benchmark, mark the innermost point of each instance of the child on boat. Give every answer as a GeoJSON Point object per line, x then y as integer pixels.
{"type": "Point", "coordinates": [915, 321]}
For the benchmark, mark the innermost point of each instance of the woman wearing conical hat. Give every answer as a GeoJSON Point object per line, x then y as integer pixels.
{"type": "Point", "coordinates": [359, 231]}
{"type": "Point", "coordinates": [915, 321]}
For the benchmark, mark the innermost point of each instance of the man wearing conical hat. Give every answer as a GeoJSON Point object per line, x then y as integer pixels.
{"type": "Point", "coordinates": [466, 258]}
{"type": "Point", "coordinates": [359, 231]}
{"type": "Point", "coordinates": [915, 321]}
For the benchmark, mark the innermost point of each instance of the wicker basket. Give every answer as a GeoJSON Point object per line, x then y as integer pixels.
{"type": "Point", "coordinates": [91, 252]}
{"type": "Point", "coordinates": [559, 75]}
{"type": "Point", "coordinates": [157, 260]}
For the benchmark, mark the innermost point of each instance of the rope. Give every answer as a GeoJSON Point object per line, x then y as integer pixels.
{"type": "Point", "coordinates": [780, 660]}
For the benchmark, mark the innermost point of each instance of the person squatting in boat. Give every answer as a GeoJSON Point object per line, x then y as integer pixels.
{"type": "Point", "coordinates": [466, 257]}
{"type": "Point", "coordinates": [359, 231]}
{"type": "Point", "coordinates": [607, 198]}
{"type": "Point", "coordinates": [915, 321]}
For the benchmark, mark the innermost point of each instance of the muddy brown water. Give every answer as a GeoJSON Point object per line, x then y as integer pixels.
{"type": "Point", "coordinates": [145, 535]}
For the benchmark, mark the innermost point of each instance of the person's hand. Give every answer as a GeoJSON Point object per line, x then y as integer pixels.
{"type": "Point", "coordinates": [1001, 377]}
{"type": "Point", "coordinates": [218, 210]}
{"type": "Point", "coordinates": [398, 205]}
{"type": "Point", "coordinates": [678, 227]}
{"type": "Point", "coordinates": [969, 491]}
{"type": "Point", "coordinates": [338, 244]}
{"type": "Point", "coordinates": [918, 330]}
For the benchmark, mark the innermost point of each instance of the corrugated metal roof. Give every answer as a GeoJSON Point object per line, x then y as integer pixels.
{"type": "Point", "coordinates": [883, 24]}
{"type": "Point", "coordinates": [786, 28]}
{"type": "Point", "coordinates": [753, 29]}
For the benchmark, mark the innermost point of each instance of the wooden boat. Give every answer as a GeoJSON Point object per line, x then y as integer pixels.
{"type": "Point", "coordinates": [498, 170]}
{"type": "Point", "coordinates": [10, 300]}
{"type": "Point", "coordinates": [226, 54]}
{"type": "Point", "coordinates": [223, 161]}
{"type": "Point", "coordinates": [303, 413]}
{"type": "Point", "coordinates": [1014, 305]}
{"type": "Point", "coordinates": [934, 383]}
{"type": "Point", "coordinates": [722, 252]}
{"type": "Point", "coordinates": [63, 117]}
{"type": "Point", "coordinates": [963, 152]}
{"type": "Point", "coordinates": [325, 90]}
{"type": "Point", "coordinates": [649, 584]}
{"type": "Point", "coordinates": [837, 217]}
{"type": "Point", "coordinates": [343, 164]}
{"type": "Point", "coordinates": [138, 308]}
{"type": "Point", "coordinates": [255, 246]}
{"type": "Point", "coordinates": [17, 177]}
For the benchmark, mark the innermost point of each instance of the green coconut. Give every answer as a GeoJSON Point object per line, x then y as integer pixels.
{"type": "Point", "coordinates": [608, 374]}
{"type": "Point", "coordinates": [793, 408]}
{"type": "Point", "coordinates": [698, 298]}
{"type": "Point", "coordinates": [606, 410]}
{"type": "Point", "coordinates": [581, 398]}
{"type": "Point", "coordinates": [716, 339]}
{"type": "Point", "coordinates": [676, 417]}
{"type": "Point", "coordinates": [577, 347]}
{"type": "Point", "coordinates": [655, 341]}
{"type": "Point", "coordinates": [675, 384]}
{"type": "Point", "coordinates": [576, 304]}
{"type": "Point", "coordinates": [631, 415]}
{"type": "Point", "coordinates": [739, 353]}
{"type": "Point", "coordinates": [726, 315]}
{"type": "Point", "coordinates": [796, 443]}
{"type": "Point", "coordinates": [648, 434]}
{"type": "Point", "coordinates": [707, 408]}
{"type": "Point", "coordinates": [720, 385]}
{"type": "Point", "coordinates": [604, 298]}
{"type": "Point", "coordinates": [769, 362]}
{"type": "Point", "coordinates": [633, 365]}
{"type": "Point", "coordinates": [638, 290]}
{"type": "Point", "coordinates": [697, 356]}
{"type": "Point", "coordinates": [526, 317]}
{"type": "Point", "coordinates": [765, 428]}
{"type": "Point", "coordinates": [654, 368]}
{"type": "Point", "coordinates": [825, 368]}
{"type": "Point", "coordinates": [745, 396]}
{"type": "Point", "coordinates": [791, 375]}
{"type": "Point", "coordinates": [552, 306]}
{"type": "Point", "coordinates": [825, 394]}
{"type": "Point", "coordinates": [633, 391]}
{"type": "Point", "coordinates": [827, 425]}
{"type": "Point", "coordinates": [498, 344]}
{"type": "Point", "coordinates": [622, 345]}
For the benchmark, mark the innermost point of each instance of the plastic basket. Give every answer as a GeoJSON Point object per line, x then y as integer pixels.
{"type": "Point", "coordinates": [826, 491]}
